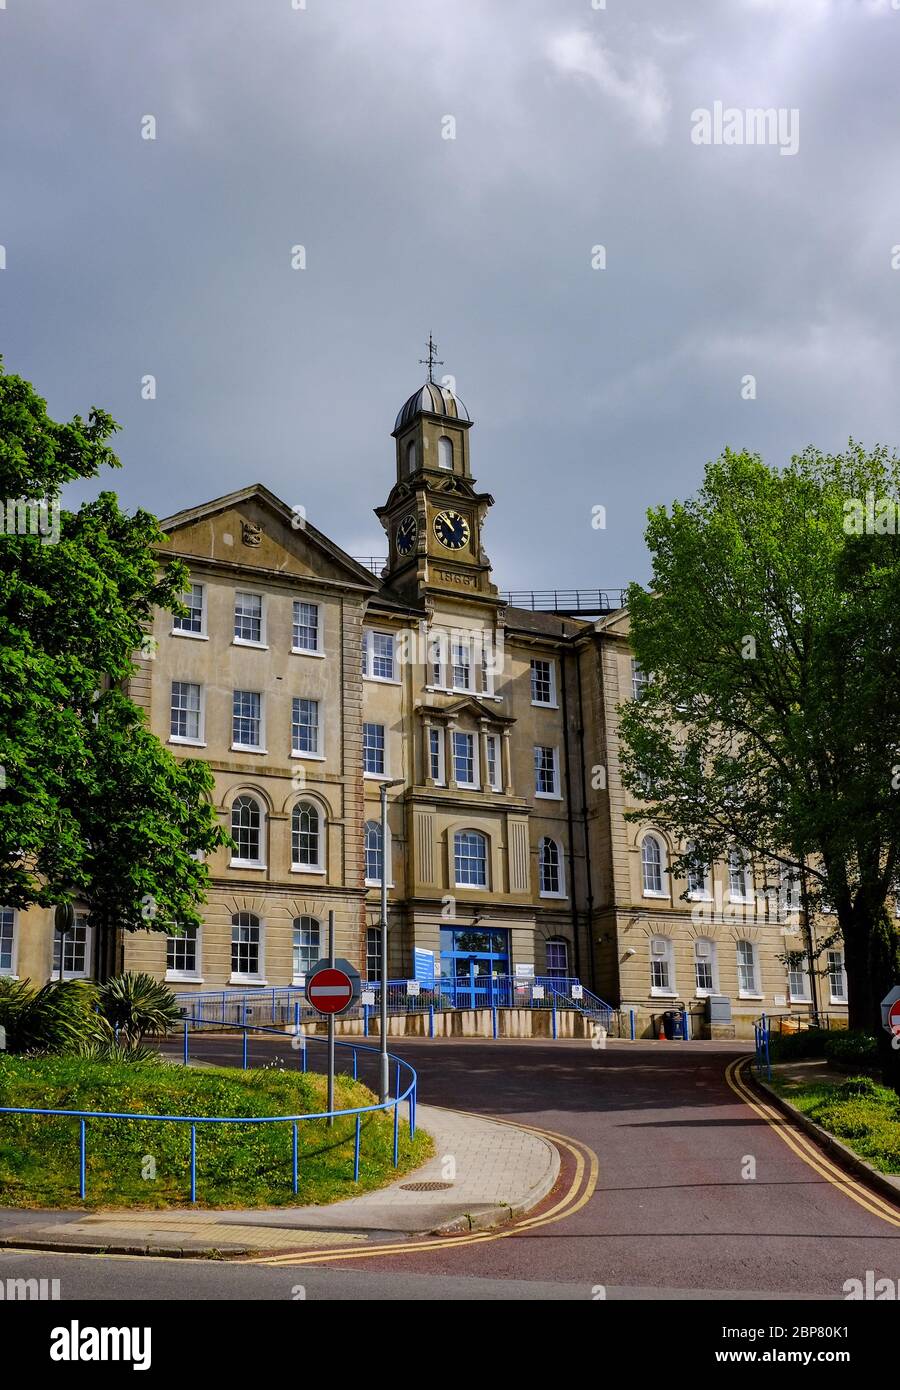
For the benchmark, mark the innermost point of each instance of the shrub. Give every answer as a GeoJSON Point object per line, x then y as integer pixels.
{"type": "Point", "coordinates": [790, 1047]}
{"type": "Point", "coordinates": [852, 1049]}
{"type": "Point", "coordinates": [135, 1005]}
{"type": "Point", "coordinates": [52, 1019]}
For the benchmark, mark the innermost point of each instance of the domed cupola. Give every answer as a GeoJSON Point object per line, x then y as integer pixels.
{"type": "Point", "coordinates": [432, 399]}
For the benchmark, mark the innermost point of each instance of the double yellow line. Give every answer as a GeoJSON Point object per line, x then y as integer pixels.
{"type": "Point", "coordinates": [810, 1153]}
{"type": "Point", "coordinates": [579, 1192]}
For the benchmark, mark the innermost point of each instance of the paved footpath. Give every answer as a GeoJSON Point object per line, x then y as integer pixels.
{"type": "Point", "coordinates": [499, 1172]}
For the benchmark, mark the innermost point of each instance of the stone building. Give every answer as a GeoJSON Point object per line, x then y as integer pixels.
{"type": "Point", "coordinates": [307, 681]}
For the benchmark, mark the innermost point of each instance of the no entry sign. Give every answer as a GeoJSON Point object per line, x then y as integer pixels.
{"type": "Point", "coordinates": [332, 988]}
{"type": "Point", "coordinates": [890, 1010]}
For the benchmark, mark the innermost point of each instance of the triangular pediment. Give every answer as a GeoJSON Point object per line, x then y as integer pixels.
{"type": "Point", "coordinates": [469, 705]}
{"type": "Point", "coordinates": [254, 528]}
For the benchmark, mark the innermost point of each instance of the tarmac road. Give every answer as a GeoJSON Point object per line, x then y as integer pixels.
{"type": "Point", "coordinates": [696, 1196]}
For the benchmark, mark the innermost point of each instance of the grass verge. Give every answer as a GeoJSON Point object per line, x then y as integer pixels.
{"type": "Point", "coordinates": [134, 1163]}
{"type": "Point", "coordinates": [859, 1112]}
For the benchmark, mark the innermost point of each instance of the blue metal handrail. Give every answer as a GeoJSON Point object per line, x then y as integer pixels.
{"type": "Point", "coordinates": [409, 1096]}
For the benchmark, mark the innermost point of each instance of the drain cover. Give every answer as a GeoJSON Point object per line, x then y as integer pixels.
{"type": "Point", "coordinates": [425, 1186]}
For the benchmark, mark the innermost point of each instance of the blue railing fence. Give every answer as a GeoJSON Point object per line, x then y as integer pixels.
{"type": "Point", "coordinates": [405, 1092]}
{"type": "Point", "coordinates": [762, 1030]}
{"type": "Point", "coordinates": [276, 1004]}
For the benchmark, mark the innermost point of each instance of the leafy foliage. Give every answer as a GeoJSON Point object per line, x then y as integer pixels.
{"type": "Point", "coordinates": [56, 1017]}
{"type": "Point", "coordinates": [91, 804]}
{"type": "Point", "coordinates": [135, 1005]}
{"type": "Point", "coordinates": [772, 722]}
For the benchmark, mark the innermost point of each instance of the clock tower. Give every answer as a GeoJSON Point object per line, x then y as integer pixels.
{"type": "Point", "coordinates": [434, 514]}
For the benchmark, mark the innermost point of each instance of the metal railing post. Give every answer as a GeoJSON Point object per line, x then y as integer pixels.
{"type": "Point", "coordinates": [246, 1034]}
{"type": "Point", "coordinates": [82, 1162]}
{"type": "Point", "coordinates": [295, 1157]}
{"type": "Point", "coordinates": [494, 1022]}
{"type": "Point", "coordinates": [554, 1016]}
{"type": "Point", "coordinates": [396, 1133]}
{"type": "Point", "coordinates": [193, 1163]}
{"type": "Point", "coordinates": [186, 1045]}
{"type": "Point", "coordinates": [356, 1151]}
{"type": "Point", "coordinates": [354, 1063]}
{"type": "Point", "coordinates": [431, 1020]}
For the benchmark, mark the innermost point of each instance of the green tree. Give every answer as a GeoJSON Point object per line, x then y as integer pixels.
{"type": "Point", "coordinates": [91, 804]}
{"type": "Point", "coordinates": [771, 723]}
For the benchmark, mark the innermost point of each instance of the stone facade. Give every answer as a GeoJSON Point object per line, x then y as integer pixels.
{"type": "Point", "coordinates": [306, 682]}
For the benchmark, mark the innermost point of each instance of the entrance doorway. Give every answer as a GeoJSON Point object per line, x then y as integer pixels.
{"type": "Point", "coordinates": [472, 961]}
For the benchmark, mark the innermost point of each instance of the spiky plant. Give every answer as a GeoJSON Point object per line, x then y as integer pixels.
{"type": "Point", "coordinates": [52, 1018]}
{"type": "Point", "coordinates": [135, 1005]}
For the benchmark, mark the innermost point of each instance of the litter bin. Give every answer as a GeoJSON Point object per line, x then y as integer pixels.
{"type": "Point", "coordinates": [672, 1025]}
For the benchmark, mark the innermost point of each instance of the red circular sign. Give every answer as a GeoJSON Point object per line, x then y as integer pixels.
{"type": "Point", "coordinates": [329, 991]}
{"type": "Point", "coordinates": [894, 1016]}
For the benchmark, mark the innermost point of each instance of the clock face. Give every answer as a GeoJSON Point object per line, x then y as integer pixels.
{"type": "Point", "coordinates": [405, 538]}
{"type": "Point", "coordinates": [451, 529]}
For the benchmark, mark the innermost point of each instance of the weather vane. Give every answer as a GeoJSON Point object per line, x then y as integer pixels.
{"type": "Point", "coordinates": [432, 360]}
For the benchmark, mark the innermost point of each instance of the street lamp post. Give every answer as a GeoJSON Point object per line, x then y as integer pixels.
{"type": "Point", "coordinates": [384, 1064]}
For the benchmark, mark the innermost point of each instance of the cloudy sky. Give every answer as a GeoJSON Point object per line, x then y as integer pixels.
{"type": "Point", "coordinates": [326, 127]}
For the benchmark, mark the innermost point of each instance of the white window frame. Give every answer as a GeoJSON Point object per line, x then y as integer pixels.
{"type": "Point", "coordinates": [555, 794]}
{"type": "Point", "coordinates": [306, 651]}
{"type": "Point", "coordinates": [319, 866]}
{"type": "Point", "coordinates": [495, 782]}
{"type": "Point", "coordinates": [373, 957]}
{"type": "Point", "coordinates": [173, 973]}
{"type": "Point", "coordinates": [472, 830]}
{"type": "Point", "coordinates": [734, 859]}
{"type": "Point", "coordinates": [384, 775]}
{"type": "Point", "coordinates": [461, 645]}
{"type": "Point", "coordinates": [259, 978]}
{"type": "Point", "coordinates": [551, 701]}
{"type": "Point", "coordinates": [10, 973]}
{"type": "Point", "coordinates": [318, 756]}
{"type": "Point", "coordinates": [473, 738]}
{"type": "Point", "coordinates": [202, 635]}
{"type": "Point", "coordinates": [82, 924]}
{"type": "Point", "coordinates": [801, 970]}
{"type": "Point", "coordinates": [701, 893]}
{"type": "Point", "coordinates": [487, 671]}
{"type": "Point", "coordinates": [236, 862]}
{"type": "Point", "coordinates": [639, 679]}
{"type": "Point", "coordinates": [654, 892]}
{"type": "Point", "coordinates": [298, 977]}
{"type": "Point", "coordinates": [743, 992]}
{"type": "Point", "coordinates": [560, 868]}
{"type": "Point", "coordinates": [261, 644]}
{"type": "Point", "coordinates": [200, 740]}
{"type": "Point", "coordinates": [837, 952]}
{"type": "Point", "coordinates": [250, 747]}
{"type": "Point", "coordinates": [668, 990]}
{"type": "Point", "coordinates": [710, 958]}
{"type": "Point", "coordinates": [437, 660]}
{"type": "Point", "coordinates": [368, 665]}
{"type": "Point", "coordinates": [412, 456]}
{"type": "Point", "coordinates": [436, 740]}
{"type": "Point", "coordinates": [386, 855]}
{"type": "Point", "coordinates": [441, 453]}
{"type": "Point", "coordinates": [558, 943]}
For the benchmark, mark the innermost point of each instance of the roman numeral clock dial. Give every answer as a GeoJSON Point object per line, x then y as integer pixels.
{"type": "Point", "coordinates": [405, 538]}
{"type": "Point", "coordinates": [451, 530]}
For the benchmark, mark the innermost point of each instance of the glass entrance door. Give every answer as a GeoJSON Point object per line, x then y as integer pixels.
{"type": "Point", "coordinates": [472, 961]}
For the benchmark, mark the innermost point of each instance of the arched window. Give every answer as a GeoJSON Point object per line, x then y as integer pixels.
{"type": "Point", "coordinates": [246, 830]}
{"type": "Point", "coordinates": [470, 858]}
{"type": "Point", "coordinates": [550, 869]}
{"type": "Point", "coordinates": [7, 941]}
{"type": "Point", "coordinates": [705, 965]}
{"type": "Point", "coordinates": [306, 945]}
{"type": "Point", "coordinates": [558, 958]}
{"type": "Point", "coordinates": [697, 877]}
{"type": "Point", "coordinates": [445, 453]}
{"type": "Point", "coordinates": [651, 866]}
{"type": "Point", "coordinates": [246, 946]}
{"type": "Point", "coordinates": [411, 456]}
{"type": "Point", "coordinates": [307, 837]}
{"type": "Point", "coordinates": [374, 852]}
{"type": "Point", "coordinates": [738, 878]}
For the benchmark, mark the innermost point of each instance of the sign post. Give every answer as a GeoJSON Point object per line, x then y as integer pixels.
{"type": "Point", "coordinates": [332, 987]}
